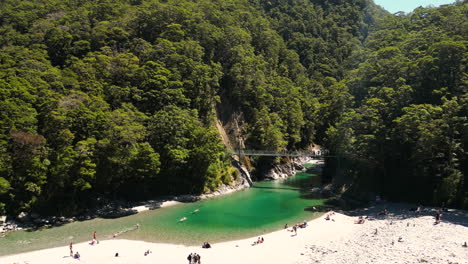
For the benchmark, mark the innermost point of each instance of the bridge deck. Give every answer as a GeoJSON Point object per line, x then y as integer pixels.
{"type": "Point", "coordinates": [315, 154]}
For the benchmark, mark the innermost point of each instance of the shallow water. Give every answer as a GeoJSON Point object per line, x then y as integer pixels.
{"type": "Point", "coordinates": [265, 207]}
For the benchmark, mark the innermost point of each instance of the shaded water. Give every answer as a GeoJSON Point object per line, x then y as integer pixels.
{"type": "Point", "coordinates": [265, 207]}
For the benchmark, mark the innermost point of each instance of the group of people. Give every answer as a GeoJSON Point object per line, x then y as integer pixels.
{"type": "Point", "coordinates": [194, 258]}
{"type": "Point", "coordinates": [329, 216]}
{"type": "Point", "coordinates": [296, 226]}
{"type": "Point", "coordinates": [77, 254]}
{"type": "Point", "coordinates": [206, 245]}
{"type": "Point", "coordinates": [260, 240]}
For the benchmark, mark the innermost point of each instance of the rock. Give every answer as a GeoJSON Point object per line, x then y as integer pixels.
{"type": "Point", "coordinates": [2, 219]}
{"type": "Point", "coordinates": [24, 217]}
{"type": "Point", "coordinates": [35, 215]}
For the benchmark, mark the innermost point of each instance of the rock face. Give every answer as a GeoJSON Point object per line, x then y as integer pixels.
{"type": "Point", "coordinates": [287, 169]}
{"type": "Point", "coordinates": [244, 173]}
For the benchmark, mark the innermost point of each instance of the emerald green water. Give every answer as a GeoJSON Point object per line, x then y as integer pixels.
{"type": "Point", "coordinates": [265, 207]}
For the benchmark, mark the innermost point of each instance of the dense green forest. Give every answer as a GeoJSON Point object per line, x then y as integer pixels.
{"type": "Point", "coordinates": [120, 98]}
{"type": "Point", "coordinates": [405, 135]}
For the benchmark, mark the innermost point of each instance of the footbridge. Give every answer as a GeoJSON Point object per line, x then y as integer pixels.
{"type": "Point", "coordinates": [272, 153]}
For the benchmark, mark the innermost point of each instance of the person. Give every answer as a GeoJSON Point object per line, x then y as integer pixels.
{"type": "Point", "coordinates": [465, 245]}
{"type": "Point", "coordinates": [437, 217]}
{"type": "Point", "coordinates": [295, 229]}
{"type": "Point", "coordinates": [137, 226]}
{"type": "Point", "coordinates": [71, 249]}
{"type": "Point", "coordinates": [189, 258]}
{"type": "Point", "coordinates": [94, 235]}
{"type": "Point", "coordinates": [206, 245]}
{"type": "Point", "coordinates": [383, 212]}
{"type": "Point", "coordinates": [360, 220]}
{"type": "Point", "coordinates": [77, 255]}
{"type": "Point", "coordinates": [286, 226]}
{"type": "Point", "coordinates": [418, 210]}
{"type": "Point", "coordinates": [116, 254]}
{"type": "Point", "coordinates": [197, 259]}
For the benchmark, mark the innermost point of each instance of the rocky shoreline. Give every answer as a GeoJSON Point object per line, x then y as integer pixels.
{"type": "Point", "coordinates": [115, 209]}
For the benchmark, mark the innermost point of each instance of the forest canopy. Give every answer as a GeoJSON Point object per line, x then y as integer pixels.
{"type": "Point", "coordinates": [120, 98]}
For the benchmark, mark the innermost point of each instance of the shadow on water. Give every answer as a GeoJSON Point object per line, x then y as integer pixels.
{"type": "Point", "coordinates": [303, 181]}
{"type": "Point", "coordinates": [275, 188]}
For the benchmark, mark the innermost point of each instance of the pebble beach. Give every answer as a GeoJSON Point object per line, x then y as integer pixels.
{"type": "Point", "coordinates": [401, 236]}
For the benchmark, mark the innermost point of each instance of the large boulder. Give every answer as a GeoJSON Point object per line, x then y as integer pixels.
{"type": "Point", "coordinates": [24, 217]}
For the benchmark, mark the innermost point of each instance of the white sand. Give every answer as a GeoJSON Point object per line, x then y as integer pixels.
{"type": "Point", "coordinates": [339, 241]}
{"type": "Point", "coordinates": [150, 205]}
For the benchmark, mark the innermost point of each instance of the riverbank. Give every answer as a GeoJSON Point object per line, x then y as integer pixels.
{"type": "Point", "coordinates": [225, 189]}
{"type": "Point", "coordinates": [401, 237]}
{"type": "Point", "coordinates": [116, 209]}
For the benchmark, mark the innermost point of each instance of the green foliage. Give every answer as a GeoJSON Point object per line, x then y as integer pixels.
{"type": "Point", "coordinates": [119, 98]}
{"type": "Point", "coordinates": [406, 136]}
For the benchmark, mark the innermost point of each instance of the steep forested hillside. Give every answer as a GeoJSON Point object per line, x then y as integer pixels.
{"type": "Point", "coordinates": [120, 98]}
{"type": "Point", "coordinates": [406, 135]}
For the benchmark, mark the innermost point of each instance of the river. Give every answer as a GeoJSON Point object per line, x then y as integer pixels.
{"type": "Point", "coordinates": [265, 207]}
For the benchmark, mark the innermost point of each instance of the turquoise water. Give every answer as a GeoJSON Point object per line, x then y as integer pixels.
{"type": "Point", "coordinates": [265, 207]}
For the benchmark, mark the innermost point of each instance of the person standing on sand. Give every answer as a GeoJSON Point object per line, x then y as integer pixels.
{"type": "Point", "coordinates": [71, 249]}
{"type": "Point", "coordinates": [437, 217]}
{"type": "Point", "coordinates": [94, 235]}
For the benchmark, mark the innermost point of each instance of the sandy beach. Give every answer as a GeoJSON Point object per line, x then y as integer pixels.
{"type": "Point", "coordinates": [399, 237]}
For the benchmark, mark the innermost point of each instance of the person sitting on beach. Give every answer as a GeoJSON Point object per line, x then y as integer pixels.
{"type": "Point", "coordinates": [327, 217]}
{"type": "Point", "coordinates": [360, 220]}
{"type": "Point", "coordinates": [77, 255]}
{"type": "Point", "coordinates": [383, 212]}
{"type": "Point", "coordinates": [256, 242]}
{"type": "Point", "coordinates": [206, 245]}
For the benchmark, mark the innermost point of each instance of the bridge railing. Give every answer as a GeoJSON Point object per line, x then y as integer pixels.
{"type": "Point", "coordinates": [245, 152]}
